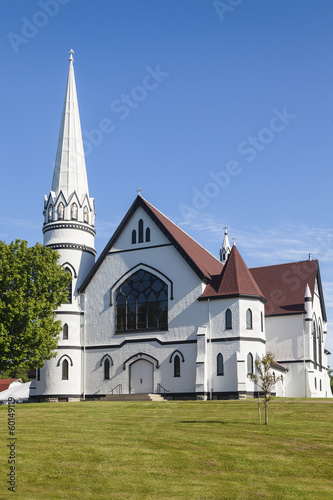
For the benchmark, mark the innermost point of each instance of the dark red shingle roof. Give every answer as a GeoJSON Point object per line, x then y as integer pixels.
{"type": "Point", "coordinates": [235, 280]}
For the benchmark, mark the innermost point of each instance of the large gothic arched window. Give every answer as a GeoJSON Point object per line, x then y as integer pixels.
{"type": "Point", "coordinates": [142, 303]}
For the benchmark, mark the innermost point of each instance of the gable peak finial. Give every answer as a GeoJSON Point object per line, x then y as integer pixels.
{"type": "Point", "coordinates": [139, 191]}
{"type": "Point", "coordinates": [71, 59]}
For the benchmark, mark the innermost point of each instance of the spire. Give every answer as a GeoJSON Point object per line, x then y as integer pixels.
{"type": "Point", "coordinates": [70, 168]}
{"type": "Point", "coordinates": [225, 248]}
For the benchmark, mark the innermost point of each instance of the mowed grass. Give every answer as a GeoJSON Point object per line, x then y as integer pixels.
{"type": "Point", "coordinates": [171, 450]}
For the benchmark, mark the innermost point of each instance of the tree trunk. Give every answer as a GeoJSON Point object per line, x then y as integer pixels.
{"type": "Point", "coordinates": [259, 407]}
{"type": "Point", "coordinates": [266, 409]}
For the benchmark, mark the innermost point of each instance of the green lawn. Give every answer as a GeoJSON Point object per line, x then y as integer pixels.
{"type": "Point", "coordinates": [170, 450]}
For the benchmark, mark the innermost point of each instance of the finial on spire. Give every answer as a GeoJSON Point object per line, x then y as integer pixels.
{"type": "Point", "coordinates": [71, 52]}
{"type": "Point", "coordinates": [226, 229]}
{"type": "Point", "coordinates": [234, 240]}
{"type": "Point", "coordinates": [310, 256]}
{"type": "Point", "coordinates": [139, 191]}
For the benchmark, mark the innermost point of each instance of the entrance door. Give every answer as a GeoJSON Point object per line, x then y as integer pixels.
{"type": "Point", "coordinates": [141, 377]}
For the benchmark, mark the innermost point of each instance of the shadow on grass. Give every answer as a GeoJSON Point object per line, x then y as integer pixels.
{"type": "Point", "coordinates": [202, 422]}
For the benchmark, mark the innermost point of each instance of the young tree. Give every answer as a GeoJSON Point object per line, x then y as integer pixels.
{"type": "Point", "coordinates": [32, 287]}
{"type": "Point", "coordinates": [264, 378]}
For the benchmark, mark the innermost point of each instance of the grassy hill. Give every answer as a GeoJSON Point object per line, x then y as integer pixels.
{"type": "Point", "coordinates": [170, 450]}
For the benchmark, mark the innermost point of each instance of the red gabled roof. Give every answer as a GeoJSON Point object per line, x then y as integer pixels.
{"type": "Point", "coordinates": [284, 286]}
{"type": "Point", "coordinates": [234, 281]}
{"type": "Point", "coordinates": [202, 262]}
{"type": "Point", "coordinates": [5, 383]}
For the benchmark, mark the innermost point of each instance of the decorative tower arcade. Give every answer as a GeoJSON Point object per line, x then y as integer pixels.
{"type": "Point", "coordinates": [69, 216]}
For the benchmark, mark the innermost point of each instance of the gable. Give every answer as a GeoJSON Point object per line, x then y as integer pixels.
{"type": "Point", "coordinates": [203, 263]}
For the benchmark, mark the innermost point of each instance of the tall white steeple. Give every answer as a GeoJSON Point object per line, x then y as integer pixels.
{"type": "Point", "coordinates": [69, 212]}
{"type": "Point", "coordinates": [69, 217]}
{"type": "Point", "coordinates": [70, 167]}
{"type": "Point", "coordinates": [225, 248]}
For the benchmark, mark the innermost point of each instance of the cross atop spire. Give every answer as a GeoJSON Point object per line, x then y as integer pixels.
{"type": "Point", "coordinates": [139, 191]}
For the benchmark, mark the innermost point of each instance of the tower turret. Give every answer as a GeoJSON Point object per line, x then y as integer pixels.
{"type": "Point", "coordinates": [225, 248]}
{"type": "Point", "coordinates": [69, 217]}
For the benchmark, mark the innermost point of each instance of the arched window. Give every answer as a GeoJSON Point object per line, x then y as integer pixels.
{"type": "Point", "coordinates": [65, 370]}
{"type": "Point", "coordinates": [176, 366]}
{"type": "Point", "coordinates": [320, 386]}
{"type": "Point", "coordinates": [315, 383]}
{"type": "Point", "coordinates": [148, 234]}
{"type": "Point", "coordinates": [249, 363]}
{"type": "Point", "coordinates": [262, 321]}
{"type": "Point", "coordinates": [69, 288]}
{"type": "Point", "coordinates": [249, 319]}
{"type": "Point", "coordinates": [140, 231]}
{"type": "Point", "coordinates": [50, 215]}
{"type": "Point", "coordinates": [133, 237]}
{"type": "Point", "coordinates": [228, 319]}
{"type": "Point", "coordinates": [314, 341]}
{"type": "Point", "coordinates": [107, 369]}
{"type": "Point", "coordinates": [74, 211]}
{"type": "Point", "coordinates": [142, 303]}
{"type": "Point", "coordinates": [65, 332]}
{"type": "Point", "coordinates": [60, 211]}
{"type": "Point", "coordinates": [320, 348]}
{"type": "Point", "coordinates": [85, 214]}
{"type": "Point", "coordinates": [220, 367]}
{"type": "Point", "coordinates": [38, 373]}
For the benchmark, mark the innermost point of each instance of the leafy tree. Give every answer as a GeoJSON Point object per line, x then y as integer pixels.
{"type": "Point", "coordinates": [32, 287]}
{"type": "Point", "coordinates": [264, 378]}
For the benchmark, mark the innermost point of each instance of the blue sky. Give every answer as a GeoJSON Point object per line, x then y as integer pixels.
{"type": "Point", "coordinates": [237, 130]}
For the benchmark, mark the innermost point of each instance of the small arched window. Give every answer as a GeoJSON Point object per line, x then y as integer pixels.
{"type": "Point", "coordinates": [140, 231]}
{"type": "Point", "coordinates": [176, 366]}
{"type": "Point", "coordinates": [319, 348]}
{"type": "Point", "coordinates": [61, 211]}
{"type": "Point", "coordinates": [74, 211]}
{"type": "Point", "coordinates": [50, 214]}
{"type": "Point", "coordinates": [249, 319]}
{"type": "Point", "coordinates": [69, 288]}
{"type": "Point", "coordinates": [314, 339]}
{"type": "Point", "coordinates": [85, 214]}
{"type": "Point", "coordinates": [320, 386]}
{"type": "Point", "coordinates": [65, 332]}
{"type": "Point", "coordinates": [65, 370]}
{"type": "Point", "coordinates": [107, 369]}
{"type": "Point", "coordinates": [133, 237]}
{"type": "Point", "coordinates": [38, 373]}
{"type": "Point", "coordinates": [148, 234]}
{"type": "Point", "coordinates": [262, 321]}
{"type": "Point", "coordinates": [315, 383]}
{"type": "Point", "coordinates": [228, 319]}
{"type": "Point", "coordinates": [249, 363]}
{"type": "Point", "coordinates": [220, 370]}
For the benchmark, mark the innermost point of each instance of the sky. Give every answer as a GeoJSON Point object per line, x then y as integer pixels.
{"type": "Point", "coordinates": [220, 111]}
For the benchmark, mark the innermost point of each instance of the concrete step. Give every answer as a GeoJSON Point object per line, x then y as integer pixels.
{"type": "Point", "coordinates": [133, 397]}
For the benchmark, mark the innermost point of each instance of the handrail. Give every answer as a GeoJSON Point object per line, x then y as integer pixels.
{"type": "Point", "coordinates": [120, 389]}
{"type": "Point", "coordinates": [159, 387]}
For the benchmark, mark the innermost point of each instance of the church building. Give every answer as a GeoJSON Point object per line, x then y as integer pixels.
{"type": "Point", "coordinates": [157, 313]}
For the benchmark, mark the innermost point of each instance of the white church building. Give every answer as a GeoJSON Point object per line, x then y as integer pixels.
{"type": "Point", "coordinates": [157, 313]}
